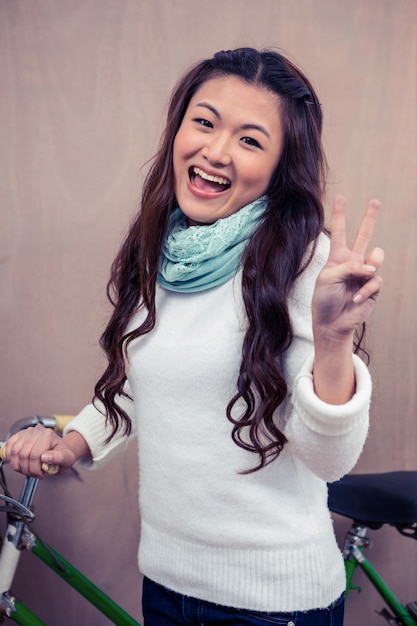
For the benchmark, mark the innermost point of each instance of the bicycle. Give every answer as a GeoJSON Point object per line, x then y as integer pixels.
{"type": "Point", "coordinates": [371, 501]}
{"type": "Point", "coordinates": [19, 537]}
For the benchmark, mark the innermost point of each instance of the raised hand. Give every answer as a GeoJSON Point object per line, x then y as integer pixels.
{"type": "Point", "coordinates": [347, 288]}
{"type": "Point", "coordinates": [344, 296]}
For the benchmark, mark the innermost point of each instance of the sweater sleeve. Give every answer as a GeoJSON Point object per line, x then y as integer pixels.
{"type": "Point", "coordinates": [91, 424]}
{"type": "Point", "coordinates": [327, 438]}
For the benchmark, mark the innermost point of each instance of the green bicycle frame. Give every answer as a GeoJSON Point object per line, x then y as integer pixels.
{"type": "Point", "coordinates": [23, 616]}
{"type": "Point", "coordinates": [355, 559]}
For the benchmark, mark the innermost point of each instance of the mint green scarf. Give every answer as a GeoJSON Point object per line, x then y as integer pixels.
{"type": "Point", "coordinates": [195, 258]}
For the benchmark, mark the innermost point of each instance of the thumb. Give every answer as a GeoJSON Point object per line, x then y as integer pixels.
{"type": "Point", "coordinates": [49, 464]}
{"type": "Point", "coordinates": [376, 257]}
{"type": "Point", "coordinates": [48, 457]}
{"type": "Point", "coordinates": [57, 456]}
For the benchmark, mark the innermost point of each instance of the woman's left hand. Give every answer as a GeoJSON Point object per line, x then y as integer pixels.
{"type": "Point", "coordinates": [348, 286]}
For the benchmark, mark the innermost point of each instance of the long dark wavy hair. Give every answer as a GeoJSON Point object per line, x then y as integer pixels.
{"type": "Point", "coordinates": [277, 253]}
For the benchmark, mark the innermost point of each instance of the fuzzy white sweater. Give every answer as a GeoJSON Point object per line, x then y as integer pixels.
{"type": "Point", "coordinates": [262, 541]}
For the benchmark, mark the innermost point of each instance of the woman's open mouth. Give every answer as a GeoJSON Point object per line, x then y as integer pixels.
{"type": "Point", "coordinates": [207, 182]}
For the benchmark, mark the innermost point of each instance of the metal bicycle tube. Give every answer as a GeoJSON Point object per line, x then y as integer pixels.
{"type": "Point", "coordinates": [9, 559]}
{"type": "Point", "coordinates": [350, 567]}
{"type": "Point", "coordinates": [399, 610]}
{"type": "Point", "coordinates": [11, 549]}
{"type": "Point", "coordinates": [85, 587]}
{"type": "Point", "coordinates": [23, 616]}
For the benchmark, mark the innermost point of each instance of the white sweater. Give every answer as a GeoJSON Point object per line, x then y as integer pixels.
{"type": "Point", "coordinates": [262, 541]}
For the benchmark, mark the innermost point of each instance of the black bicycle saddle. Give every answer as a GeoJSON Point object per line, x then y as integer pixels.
{"type": "Point", "coordinates": [376, 499]}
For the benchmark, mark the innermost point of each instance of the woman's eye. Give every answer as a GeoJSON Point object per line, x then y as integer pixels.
{"type": "Point", "coordinates": [251, 142]}
{"type": "Point", "coordinates": [203, 122]}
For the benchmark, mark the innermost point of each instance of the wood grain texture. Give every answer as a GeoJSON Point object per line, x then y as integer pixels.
{"type": "Point", "coordinates": [84, 88]}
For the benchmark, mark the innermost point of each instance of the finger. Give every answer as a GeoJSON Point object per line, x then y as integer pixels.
{"type": "Point", "coordinates": [370, 289]}
{"type": "Point", "coordinates": [351, 273]}
{"type": "Point", "coordinates": [52, 461]}
{"type": "Point", "coordinates": [20, 457]}
{"type": "Point", "coordinates": [24, 450]}
{"type": "Point", "coordinates": [59, 456]}
{"type": "Point", "coordinates": [376, 257]}
{"type": "Point", "coordinates": [366, 227]}
{"type": "Point", "coordinates": [338, 224]}
{"type": "Point", "coordinates": [42, 450]}
{"type": "Point", "coordinates": [29, 459]}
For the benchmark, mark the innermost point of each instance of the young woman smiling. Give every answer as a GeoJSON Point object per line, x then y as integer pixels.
{"type": "Point", "coordinates": [231, 355]}
{"type": "Point", "coordinates": [226, 149]}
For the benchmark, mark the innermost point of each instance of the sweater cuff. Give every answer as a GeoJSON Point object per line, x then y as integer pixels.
{"type": "Point", "coordinates": [91, 425]}
{"type": "Point", "coordinates": [332, 419]}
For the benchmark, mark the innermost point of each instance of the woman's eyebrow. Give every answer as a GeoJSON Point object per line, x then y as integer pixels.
{"type": "Point", "coordinates": [215, 112]}
{"type": "Point", "coordinates": [262, 129]}
{"type": "Point", "coordinates": [210, 107]}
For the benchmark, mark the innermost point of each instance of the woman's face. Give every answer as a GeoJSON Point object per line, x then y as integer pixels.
{"type": "Point", "coordinates": [226, 149]}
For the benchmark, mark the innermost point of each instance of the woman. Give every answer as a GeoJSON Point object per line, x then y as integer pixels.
{"type": "Point", "coordinates": [230, 353]}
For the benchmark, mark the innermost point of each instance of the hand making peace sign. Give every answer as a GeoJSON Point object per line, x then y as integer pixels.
{"type": "Point", "coordinates": [347, 287]}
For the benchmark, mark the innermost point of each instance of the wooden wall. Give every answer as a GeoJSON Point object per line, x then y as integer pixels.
{"type": "Point", "coordinates": [84, 84]}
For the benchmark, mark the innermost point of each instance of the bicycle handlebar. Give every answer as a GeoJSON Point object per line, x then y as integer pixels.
{"type": "Point", "coordinates": [56, 422]}
{"type": "Point", "coordinates": [61, 421]}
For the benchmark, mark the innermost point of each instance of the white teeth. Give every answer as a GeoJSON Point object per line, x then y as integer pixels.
{"type": "Point", "coordinates": [214, 179]}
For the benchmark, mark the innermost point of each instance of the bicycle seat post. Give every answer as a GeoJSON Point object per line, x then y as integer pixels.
{"type": "Point", "coordinates": [356, 538]}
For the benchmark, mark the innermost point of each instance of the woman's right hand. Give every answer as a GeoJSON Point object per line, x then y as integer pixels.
{"type": "Point", "coordinates": [28, 449]}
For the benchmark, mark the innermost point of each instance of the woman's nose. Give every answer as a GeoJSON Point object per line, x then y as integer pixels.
{"type": "Point", "coordinates": [217, 150]}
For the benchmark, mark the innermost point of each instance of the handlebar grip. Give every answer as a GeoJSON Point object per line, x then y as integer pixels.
{"type": "Point", "coordinates": [61, 421]}
{"type": "Point", "coordinates": [50, 469]}
{"type": "Point", "coordinates": [47, 469]}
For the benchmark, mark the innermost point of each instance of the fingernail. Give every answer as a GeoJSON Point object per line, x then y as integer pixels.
{"type": "Point", "coordinates": [46, 458]}
{"type": "Point", "coordinates": [369, 268]}
{"type": "Point", "coordinates": [357, 298]}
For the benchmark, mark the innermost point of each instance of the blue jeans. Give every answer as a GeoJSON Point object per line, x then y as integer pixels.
{"type": "Point", "coordinates": [162, 607]}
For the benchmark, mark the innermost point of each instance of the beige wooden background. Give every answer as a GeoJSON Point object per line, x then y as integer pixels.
{"type": "Point", "coordinates": [84, 84]}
